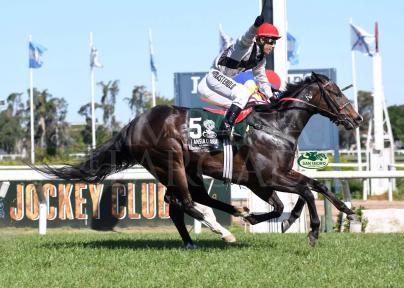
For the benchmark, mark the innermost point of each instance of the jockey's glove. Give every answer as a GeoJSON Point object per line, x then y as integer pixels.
{"type": "Point", "coordinates": [275, 97]}
{"type": "Point", "coordinates": [258, 21]}
{"type": "Point", "coordinates": [266, 90]}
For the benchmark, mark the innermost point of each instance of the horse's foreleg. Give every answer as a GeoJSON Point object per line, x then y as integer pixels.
{"type": "Point", "coordinates": [294, 214]}
{"type": "Point", "coordinates": [322, 189]}
{"type": "Point", "coordinates": [290, 183]}
{"type": "Point", "coordinates": [269, 196]}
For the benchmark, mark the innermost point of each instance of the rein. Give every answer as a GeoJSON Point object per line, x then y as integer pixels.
{"type": "Point", "coordinates": [334, 114]}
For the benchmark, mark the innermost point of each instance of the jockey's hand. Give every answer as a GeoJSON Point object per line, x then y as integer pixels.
{"type": "Point", "coordinates": [266, 93]}
{"type": "Point", "coordinates": [258, 21]}
{"type": "Point", "coordinates": [275, 97]}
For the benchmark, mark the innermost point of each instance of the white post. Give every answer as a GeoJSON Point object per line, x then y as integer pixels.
{"type": "Point", "coordinates": [390, 191]}
{"type": "Point", "coordinates": [377, 103]}
{"type": "Point", "coordinates": [4, 188]}
{"type": "Point", "coordinates": [92, 84]}
{"type": "Point", "coordinates": [356, 105]}
{"type": "Point", "coordinates": [197, 226]}
{"type": "Point", "coordinates": [281, 49]}
{"type": "Point", "coordinates": [153, 80]}
{"type": "Point", "coordinates": [367, 182]}
{"type": "Point", "coordinates": [43, 209]}
{"type": "Point", "coordinates": [31, 104]}
{"type": "Point", "coordinates": [42, 218]}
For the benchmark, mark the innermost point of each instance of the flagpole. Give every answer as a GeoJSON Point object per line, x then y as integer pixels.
{"type": "Point", "coordinates": [31, 104]}
{"type": "Point", "coordinates": [92, 85]}
{"type": "Point", "coordinates": [153, 80]}
{"type": "Point", "coordinates": [356, 105]}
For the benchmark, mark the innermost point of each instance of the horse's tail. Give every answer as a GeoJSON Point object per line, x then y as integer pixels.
{"type": "Point", "coordinates": [110, 157]}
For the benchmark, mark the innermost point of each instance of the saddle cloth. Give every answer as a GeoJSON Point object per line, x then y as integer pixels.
{"type": "Point", "coordinates": [202, 126]}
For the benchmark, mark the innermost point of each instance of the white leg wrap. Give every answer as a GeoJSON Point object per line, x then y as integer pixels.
{"type": "Point", "coordinates": [210, 220]}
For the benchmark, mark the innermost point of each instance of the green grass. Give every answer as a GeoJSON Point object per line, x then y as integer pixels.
{"type": "Point", "coordinates": [153, 259]}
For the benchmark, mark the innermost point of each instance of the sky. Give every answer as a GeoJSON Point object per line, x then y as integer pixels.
{"type": "Point", "coordinates": [185, 39]}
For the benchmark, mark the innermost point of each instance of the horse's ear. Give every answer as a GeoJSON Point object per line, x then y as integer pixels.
{"type": "Point", "coordinates": [316, 77]}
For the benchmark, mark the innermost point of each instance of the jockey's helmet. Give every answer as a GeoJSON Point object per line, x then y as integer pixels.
{"type": "Point", "coordinates": [267, 30]}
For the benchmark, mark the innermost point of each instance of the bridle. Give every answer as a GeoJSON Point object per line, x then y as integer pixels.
{"type": "Point", "coordinates": [335, 114]}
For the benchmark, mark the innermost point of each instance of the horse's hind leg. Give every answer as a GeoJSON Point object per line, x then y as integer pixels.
{"type": "Point", "coordinates": [200, 195]}
{"type": "Point", "coordinates": [177, 216]}
{"type": "Point", "coordinates": [167, 165]}
{"type": "Point", "coordinates": [181, 185]}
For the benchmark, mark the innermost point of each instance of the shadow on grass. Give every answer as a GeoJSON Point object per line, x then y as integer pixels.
{"type": "Point", "coordinates": [140, 244]}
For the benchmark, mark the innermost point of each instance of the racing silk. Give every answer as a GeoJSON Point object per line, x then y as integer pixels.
{"type": "Point", "coordinates": [243, 55]}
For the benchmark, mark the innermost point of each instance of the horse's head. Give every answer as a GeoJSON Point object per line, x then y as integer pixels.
{"type": "Point", "coordinates": [326, 98]}
{"type": "Point", "coordinates": [334, 104]}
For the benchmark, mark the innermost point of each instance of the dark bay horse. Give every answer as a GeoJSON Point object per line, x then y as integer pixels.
{"type": "Point", "coordinates": [157, 140]}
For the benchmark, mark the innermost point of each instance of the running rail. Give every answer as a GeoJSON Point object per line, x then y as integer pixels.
{"type": "Point", "coordinates": [25, 173]}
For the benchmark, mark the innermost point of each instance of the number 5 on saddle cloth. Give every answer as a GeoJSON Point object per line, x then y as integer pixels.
{"type": "Point", "coordinates": [202, 134]}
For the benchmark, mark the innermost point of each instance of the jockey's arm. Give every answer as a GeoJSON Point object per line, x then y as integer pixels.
{"type": "Point", "coordinates": [260, 75]}
{"type": "Point", "coordinates": [247, 39]}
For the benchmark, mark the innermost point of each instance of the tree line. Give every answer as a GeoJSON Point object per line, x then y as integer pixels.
{"type": "Point", "coordinates": [54, 137]}
{"type": "Point", "coordinates": [365, 102]}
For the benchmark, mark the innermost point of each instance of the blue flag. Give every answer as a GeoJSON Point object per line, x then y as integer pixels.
{"type": "Point", "coordinates": [152, 66]}
{"type": "Point", "coordinates": [362, 41]}
{"type": "Point", "coordinates": [35, 54]}
{"type": "Point", "coordinates": [293, 50]}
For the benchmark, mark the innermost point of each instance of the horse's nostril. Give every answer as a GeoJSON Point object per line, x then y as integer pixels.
{"type": "Point", "coordinates": [359, 118]}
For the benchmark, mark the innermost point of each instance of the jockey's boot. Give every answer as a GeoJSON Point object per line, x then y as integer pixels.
{"type": "Point", "coordinates": [228, 121]}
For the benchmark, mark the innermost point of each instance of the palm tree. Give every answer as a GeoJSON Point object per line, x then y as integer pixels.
{"type": "Point", "coordinates": [110, 91]}
{"type": "Point", "coordinates": [140, 97]}
{"type": "Point", "coordinates": [49, 119]}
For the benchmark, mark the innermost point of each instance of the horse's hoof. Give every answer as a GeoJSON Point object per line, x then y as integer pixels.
{"type": "Point", "coordinates": [190, 246]}
{"type": "Point", "coordinates": [229, 238]}
{"type": "Point", "coordinates": [285, 225]}
{"type": "Point", "coordinates": [312, 239]}
{"type": "Point", "coordinates": [251, 219]}
{"type": "Point", "coordinates": [242, 212]}
{"type": "Point", "coordinates": [353, 217]}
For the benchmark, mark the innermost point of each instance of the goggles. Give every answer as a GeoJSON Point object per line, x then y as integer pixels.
{"type": "Point", "coordinates": [267, 40]}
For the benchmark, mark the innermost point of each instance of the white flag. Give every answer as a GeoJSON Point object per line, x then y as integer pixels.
{"type": "Point", "coordinates": [94, 61]}
{"type": "Point", "coordinates": [362, 41]}
{"type": "Point", "coordinates": [225, 40]}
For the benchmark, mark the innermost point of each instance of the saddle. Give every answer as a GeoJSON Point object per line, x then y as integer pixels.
{"type": "Point", "coordinates": [256, 98]}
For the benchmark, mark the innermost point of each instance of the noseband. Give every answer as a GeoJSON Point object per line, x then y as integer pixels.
{"type": "Point", "coordinates": [337, 116]}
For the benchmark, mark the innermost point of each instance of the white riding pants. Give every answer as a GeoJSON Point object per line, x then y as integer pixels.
{"type": "Point", "coordinates": [218, 89]}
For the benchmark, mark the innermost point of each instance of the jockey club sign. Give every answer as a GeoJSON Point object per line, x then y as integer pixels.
{"type": "Point", "coordinates": [76, 204]}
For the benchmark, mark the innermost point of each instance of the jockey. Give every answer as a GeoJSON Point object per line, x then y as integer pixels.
{"type": "Point", "coordinates": [248, 52]}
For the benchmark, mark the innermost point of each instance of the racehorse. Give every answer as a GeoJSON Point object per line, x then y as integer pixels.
{"type": "Point", "coordinates": [157, 139]}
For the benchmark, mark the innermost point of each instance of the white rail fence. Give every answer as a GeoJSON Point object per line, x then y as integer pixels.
{"type": "Point", "coordinates": [24, 173]}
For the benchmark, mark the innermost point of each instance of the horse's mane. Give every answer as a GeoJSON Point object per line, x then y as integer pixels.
{"type": "Point", "coordinates": [292, 89]}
